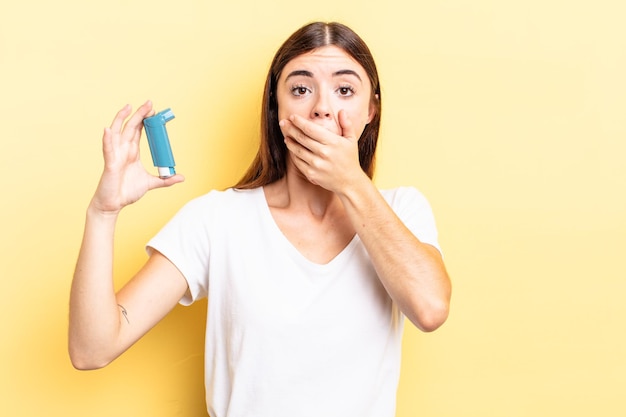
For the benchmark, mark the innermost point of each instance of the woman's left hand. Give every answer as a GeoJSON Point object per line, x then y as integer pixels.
{"type": "Point", "coordinates": [326, 159]}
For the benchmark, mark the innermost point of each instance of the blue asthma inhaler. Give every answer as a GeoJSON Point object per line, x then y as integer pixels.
{"type": "Point", "coordinates": [159, 142]}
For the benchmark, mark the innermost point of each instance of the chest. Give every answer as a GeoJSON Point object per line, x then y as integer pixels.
{"type": "Point", "coordinates": [320, 241]}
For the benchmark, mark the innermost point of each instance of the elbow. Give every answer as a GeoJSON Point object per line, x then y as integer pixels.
{"type": "Point", "coordinates": [84, 361]}
{"type": "Point", "coordinates": [432, 312]}
{"type": "Point", "coordinates": [83, 366]}
{"type": "Point", "coordinates": [431, 318]}
{"type": "Point", "coordinates": [86, 364]}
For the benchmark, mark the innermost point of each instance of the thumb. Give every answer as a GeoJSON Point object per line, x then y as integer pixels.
{"type": "Point", "coordinates": [157, 182]}
{"type": "Point", "coordinates": [347, 128]}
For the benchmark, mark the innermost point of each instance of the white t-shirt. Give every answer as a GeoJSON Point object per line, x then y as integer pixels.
{"type": "Point", "coordinates": [287, 337]}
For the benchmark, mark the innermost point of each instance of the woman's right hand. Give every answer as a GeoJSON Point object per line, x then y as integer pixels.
{"type": "Point", "coordinates": [124, 179]}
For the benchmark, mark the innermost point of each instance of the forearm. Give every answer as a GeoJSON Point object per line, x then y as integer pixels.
{"type": "Point", "coordinates": [99, 329]}
{"type": "Point", "coordinates": [94, 313]}
{"type": "Point", "coordinates": [412, 272]}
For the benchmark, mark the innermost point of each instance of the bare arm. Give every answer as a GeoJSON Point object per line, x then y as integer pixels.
{"type": "Point", "coordinates": [412, 272]}
{"type": "Point", "coordinates": [104, 324]}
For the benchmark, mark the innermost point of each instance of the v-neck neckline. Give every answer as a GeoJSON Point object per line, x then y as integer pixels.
{"type": "Point", "coordinates": [295, 253]}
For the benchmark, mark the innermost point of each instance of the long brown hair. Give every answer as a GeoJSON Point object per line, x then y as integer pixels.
{"type": "Point", "coordinates": [270, 162]}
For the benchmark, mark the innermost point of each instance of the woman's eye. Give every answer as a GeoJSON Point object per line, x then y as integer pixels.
{"type": "Point", "coordinates": [299, 90]}
{"type": "Point", "coordinates": [345, 91]}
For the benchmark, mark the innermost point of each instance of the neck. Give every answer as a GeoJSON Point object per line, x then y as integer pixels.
{"type": "Point", "coordinates": [295, 192]}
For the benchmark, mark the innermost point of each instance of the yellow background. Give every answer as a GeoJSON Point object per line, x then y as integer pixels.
{"type": "Point", "coordinates": [508, 115]}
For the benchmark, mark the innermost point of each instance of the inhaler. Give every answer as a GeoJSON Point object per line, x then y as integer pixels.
{"type": "Point", "coordinates": [159, 142]}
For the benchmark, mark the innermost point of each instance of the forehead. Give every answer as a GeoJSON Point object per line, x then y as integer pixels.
{"type": "Point", "coordinates": [326, 59]}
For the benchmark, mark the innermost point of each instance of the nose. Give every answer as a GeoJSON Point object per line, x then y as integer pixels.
{"type": "Point", "coordinates": [321, 108]}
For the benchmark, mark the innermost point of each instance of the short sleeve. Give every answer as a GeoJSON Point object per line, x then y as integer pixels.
{"type": "Point", "coordinates": [414, 210]}
{"type": "Point", "coordinates": [184, 240]}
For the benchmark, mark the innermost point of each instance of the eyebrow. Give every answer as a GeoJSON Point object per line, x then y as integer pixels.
{"type": "Point", "coordinates": [347, 72]}
{"type": "Point", "coordinates": [305, 73]}
{"type": "Point", "coordinates": [297, 73]}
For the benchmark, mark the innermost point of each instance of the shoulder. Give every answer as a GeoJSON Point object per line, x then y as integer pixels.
{"type": "Point", "coordinates": [401, 197]}
{"type": "Point", "coordinates": [216, 207]}
{"type": "Point", "coordinates": [222, 199]}
{"type": "Point", "coordinates": [414, 210]}
{"type": "Point", "coordinates": [213, 211]}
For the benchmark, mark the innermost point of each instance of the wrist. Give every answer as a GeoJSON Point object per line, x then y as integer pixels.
{"type": "Point", "coordinates": [357, 186]}
{"type": "Point", "coordinates": [96, 212]}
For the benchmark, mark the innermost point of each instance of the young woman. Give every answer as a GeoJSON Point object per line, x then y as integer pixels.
{"type": "Point", "coordinates": [309, 269]}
